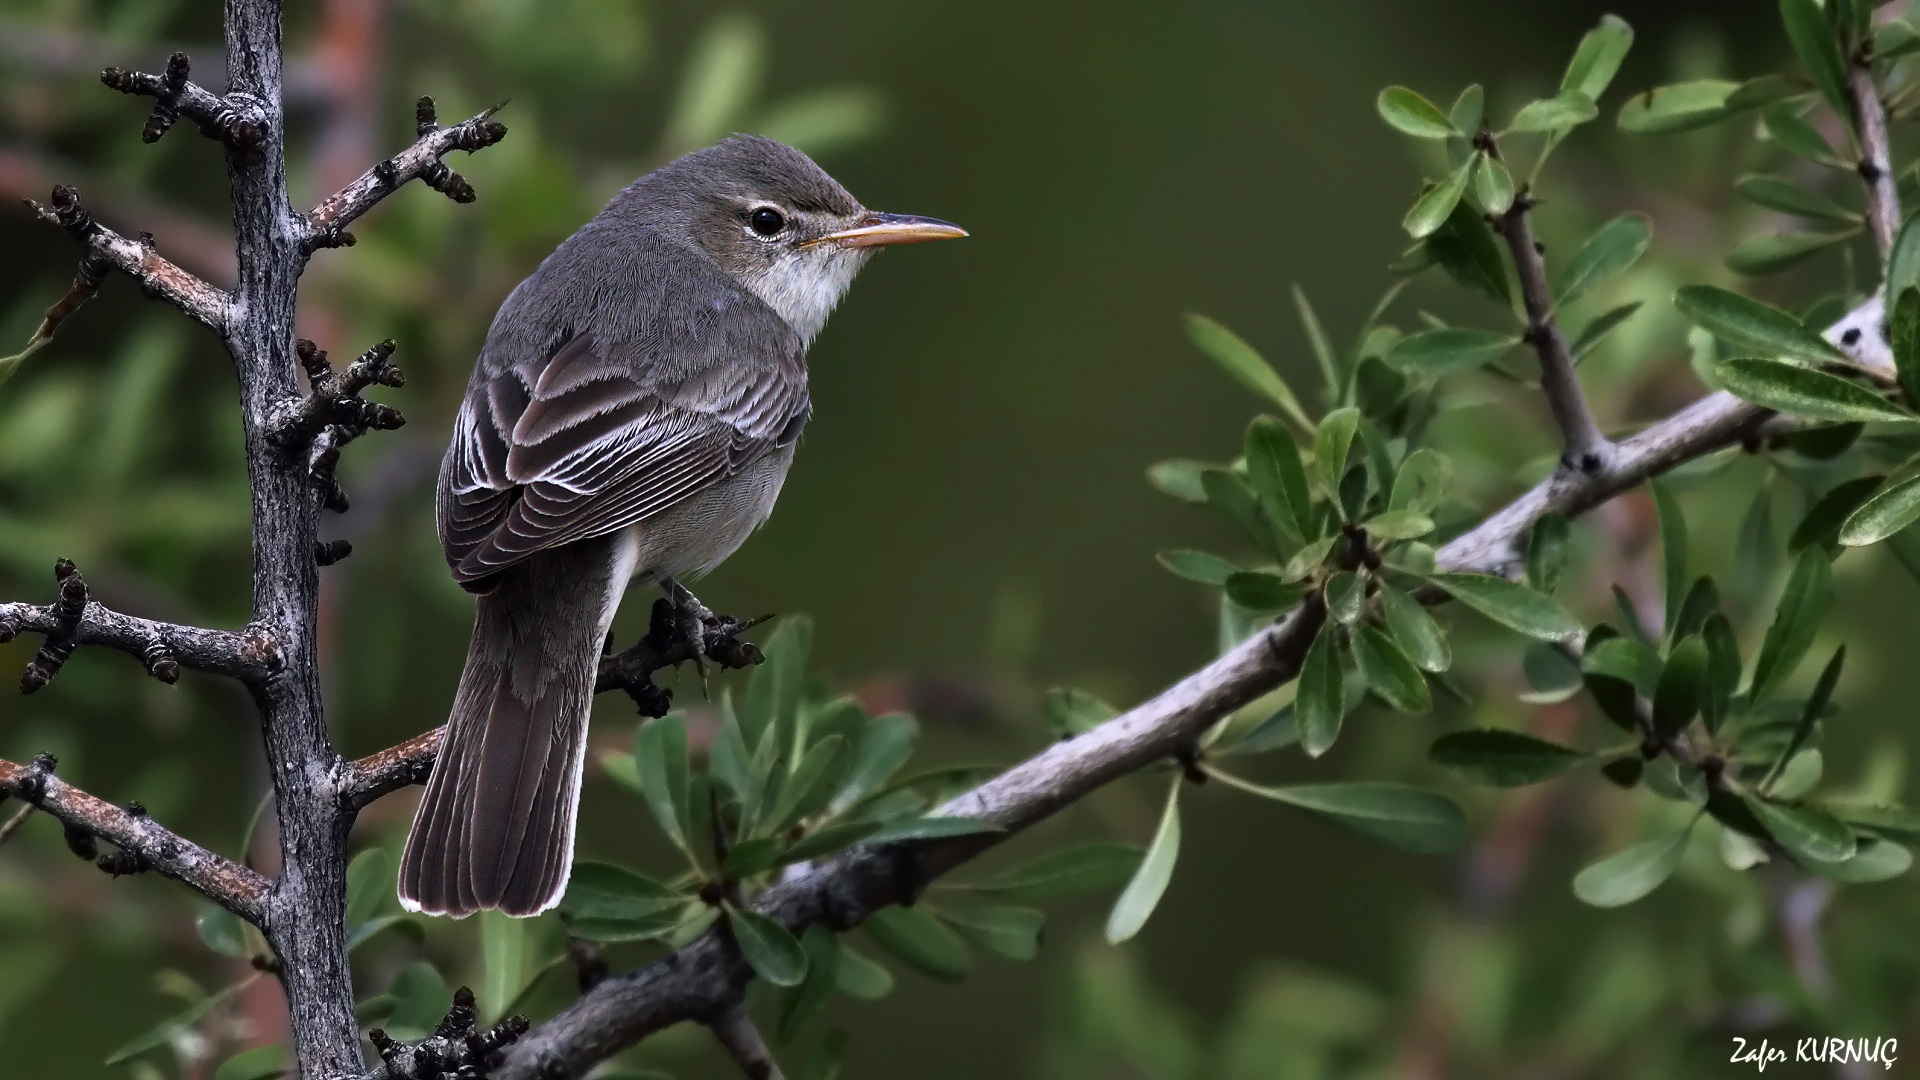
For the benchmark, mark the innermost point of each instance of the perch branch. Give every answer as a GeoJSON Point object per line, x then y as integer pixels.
{"type": "Point", "coordinates": [137, 259]}
{"type": "Point", "coordinates": [709, 974]}
{"type": "Point", "coordinates": [1584, 447]}
{"type": "Point", "coordinates": [735, 1030]}
{"type": "Point", "coordinates": [455, 1049]}
{"type": "Point", "coordinates": [143, 843]}
{"type": "Point", "coordinates": [232, 120]}
{"type": "Point", "coordinates": [164, 648]}
{"type": "Point", "coordinates": [1876, 159]}
{"type": "Point", "coordinates": [326, 225]}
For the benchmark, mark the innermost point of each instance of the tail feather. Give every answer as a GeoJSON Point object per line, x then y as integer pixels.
{"type": "Point", "coordinates": [495, 828]}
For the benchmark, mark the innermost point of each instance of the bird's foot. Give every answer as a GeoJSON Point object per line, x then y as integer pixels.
{"type": "Point", "coordinates": [686, 629]}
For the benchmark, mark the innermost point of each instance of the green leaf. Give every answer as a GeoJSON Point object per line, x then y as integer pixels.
{"type": "Point", "coordinates": [806, 792]}
{"type": "Point", "coordinates": [1770, 254]}
{"type": "Point", "coordinates": [1258, 590]}
{"type": "Point", "coordinates": [885, 745]}
{"type": "Point", "coordinates": [1414, 629]}
{"type": "Point", "coordinates": [1814, 40]}
{"type": "Point", "coordinates": [222, 930]}
{"type": "Point", "coordinates": [1547, 544]}
{"type": "Point", "coordinates": [1149, 882]}
{"type": "Point", "coordinates": [1599, 328]}
{"type": "Point", "coordinates": [920, 941]}
{"type": "Point", "coordinates": [1748, 324]}
{"type": "Point", "coordinates": [1723, 670]}
{"type": "Point", "coordinates": [1277, 478]}
{"type": "Point", "coordinates": [1493, 186]}
{"type": "Point", "coordinates": [1228, 494]}
{"type": "Point", "coordinates": [1180, 478]}
{"type": "Point", "coordinates": [1513, 606]}
{"type": "Point", "coordinates": [1893, 509]}
{"type": "Point", "coordinates": [660, 753]}
{"type": "Point", "coordinates": [1411, 114]}
{"type": "Point", "coordinates": [1389, 673]}
{"type": "Point", "coordinates": [1803, 603]}
{"type": "Point", "coordinates": [503, 955]}
{"type": "Point", "coordinates": [1823, 521]}
{"type": "Point", "coordinates": [1799, 391]}
{"type": "Point", "coordinates": [1631, 873]}
{"type": "Point", "coordinates": [1903, 263]}
{"type": "Point", "coordinates": [1240, 360]}
{"type": "Point", "coordinates": [1468, 110]}
{"type": "Point", "coordinates": [1682, 687]}
{"type": "Point", "coordinates": [1808, 833]}
{"type": "Point", "coordinates": [600, 890]}
{"type": "Point", "coordinates": [1404, 817]}
{"type": "Point", "coordinates": [1317, 341]}
{"type": "Point", "coordinates": [1782, 194]}
{"type": "Point", "coordinates": [1090, 867]}
{"type": "Point", "coordinates": [1632, 662]}
{"type": "Point", "coordinates": [1810, 713]}
{"type": "Point", "coordinates": [1009, 932]}
{"type": "Point", "coordinates": [773, 689]}
{"type": "Point", "coordinates": [1497, 758]}
{"type": "Point", "coordinates": [1398, 525]}
{"type": "Point", "coordinates": [1422, 483]}
{"type": "Point", "coordinates": [1679, 107]}
{"type": "Point", "coordinates": [1449, 349]}
{"type": "Point", "coordinates": [1897, 820]}
{"type": "Point", "coordinates": [1430, 210]}
{"type": "Point", "coordinates": [825, 1061]}
{"type": "Point", "coordinates": [370, 884]}
{"type": "Point", "coordinates": [1873, 860]}
{"type": "Point", "coordinates": [1308, 558]}
{"type": "Point", "coordinates": [259, 1063]}
{"type": "Point", "coordinates": [1791, 132]}
{"type": "Point", "coordinates": [422, 1001]}
{"type": "Point", "coordinates": [1702, 601]}
{"type": "Point", "coordinates": [1465, 248]}
{"type": "Point", "coordinates": [1598, 58]}
{"type": "Point", "coordinates": [1331, 444]}
{"type": "Point", "coordinates": [803, 1004]}
{"type": "Point", "coordinates": [931, 827]}
{"type": "Point", "coordinates": [1567, 109]}
{"type": "Point", "coordinates": [1611, 249]}
{"type": "Point", "coordinates": [770, 948]}
{"type": "Point", "coordinates": [1320, 699]}
{"type": "Point", "coordinates": [861, 978]}
{"type": "Point", "coordinates": [1552, 676]}
{"type": "Point", "coordinates": [1198, 566]}
{"type": "Point", "coordinates": [1903, 333]}
{"type": "Point", "coordinates": [1071, 712]}
{"type": "Point", "coordinates": [1673, 552]}
{"type": "Point", "coordinates": [1346, 596]}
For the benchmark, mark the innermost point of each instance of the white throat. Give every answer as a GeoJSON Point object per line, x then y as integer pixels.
{"type": "Point", "coordinates": [804, 287]}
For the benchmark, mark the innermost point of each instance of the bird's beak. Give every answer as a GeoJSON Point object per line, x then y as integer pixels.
{"type": "Point", "coordinates": [876, 229]}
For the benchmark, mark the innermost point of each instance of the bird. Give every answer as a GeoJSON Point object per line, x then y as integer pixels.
{"type": "Point", "coordinates": [631, 417]}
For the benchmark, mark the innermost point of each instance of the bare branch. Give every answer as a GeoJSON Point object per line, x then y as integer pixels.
{"type": "Point", "coordinates": [138, 260]}
{"type": "Point", "coordinates": [232, 119]}
{"type": "Point", "coordinates": [1584, 446]}
{"type": "Point", "coordinates": [1876, 160]}
{"type": "Point", "coordinates": [454, 1048]}
{"type": "Point", "coordinates": [327, 223]}
{"type": "Point", "coordinates": [143, 844]}
{"type": "Point", "coordinates": [164, 648]}
{"type": "Point", "coordinates": [735, 1030]}
{"type": "Point", "coordinates": [708, 975]}
{"type": "Point", "coordinates": [391, 769]}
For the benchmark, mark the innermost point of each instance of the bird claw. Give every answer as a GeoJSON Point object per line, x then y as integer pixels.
{"type": "Point", "coordinates": [690, 629]}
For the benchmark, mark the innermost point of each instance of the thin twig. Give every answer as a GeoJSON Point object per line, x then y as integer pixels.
{"type": "Point", "coordinates": [12, 824]}
{"type": "Point", "coordinates": [163, 648]}
{"type": "Point", "coordinates": [1876, 159]}
{"type": "Point", "coordinates": [146, 844]}
{"type": "Point", "coordinates": [327, 223]}
{"type": "Point", "coordinates": [1584, 447]}
{"type": "Point", "coordinates": [137, 259]}
{"type": "Point", "coordinates": [735, 1030]}
{"type": "Point", "coordinates": [231, 119]}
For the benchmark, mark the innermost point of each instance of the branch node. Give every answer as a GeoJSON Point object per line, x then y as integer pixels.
{"type": "Point", "coordinates": [328, 552]}
{"type": "Point", "coordinates": [237, 119]}
{"type": "Point", "coordinates": [160, 661]}
{"type": "Point", "coordinates": [68, 606]}
{"type": "Point", "coordinates": [259, 646]}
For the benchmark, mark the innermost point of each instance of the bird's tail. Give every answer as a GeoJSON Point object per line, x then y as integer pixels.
{"type": "Point", "coordinates": [495, 828]}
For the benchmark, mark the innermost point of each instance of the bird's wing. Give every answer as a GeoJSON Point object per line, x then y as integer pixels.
{"type": "Point", "coordinates": [585, 443]}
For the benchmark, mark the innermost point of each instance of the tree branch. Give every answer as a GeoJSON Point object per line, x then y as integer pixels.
{"type": "Point", "coordinates": [735, 1030]}
{"type": "Point", "coordinates": [326, 225]}
{"type": "Point", "coordinates": [143, 844]}
{"type": "Point", "coordinates": [135, 258]}
{"type": "Point", "coordinates": [1584, 446]}
{"type": "Point", "coordinates": [232, 120]}
{"type": "Point", "coordinates": [708, 975]}
{"type": "Point", "coordinates": [164, 648]}
{"type": "Point", "coordinates": [1876, 159]}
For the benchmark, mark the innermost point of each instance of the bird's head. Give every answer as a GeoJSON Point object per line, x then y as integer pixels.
{"type": "Point", "coordinates": [779, 225]}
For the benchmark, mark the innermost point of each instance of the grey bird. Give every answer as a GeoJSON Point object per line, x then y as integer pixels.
{"type": "Point", "coordinates": [631, 416]}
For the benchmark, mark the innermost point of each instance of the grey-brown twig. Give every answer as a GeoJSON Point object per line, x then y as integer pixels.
{"type": "Point", "coordinates": [163, 648]}
{"type": "Point", "coordinates": [455, 1049]}
{"type": "Point", "coordinates": [326, 225]}
{"type": "Point", "coordinates": [143, 843]}
{"type": "Point", "coordinates": [735, 1030]}
{"type": "Point", "coordinates": [1876, 158]}
{"type": "Point", "coordinates": [137, 259]}
{"type": "Point", "coordinates": [1584, 447]}
{"type": "Point", "coordinates": [232, 119]}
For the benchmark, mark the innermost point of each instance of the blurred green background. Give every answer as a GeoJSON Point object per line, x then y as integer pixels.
{"type": "Point", "coordinates": [967, 521]}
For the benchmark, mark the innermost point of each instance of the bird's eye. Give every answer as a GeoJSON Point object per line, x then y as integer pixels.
{"type": "Point", "coordinates": [766, 221]}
